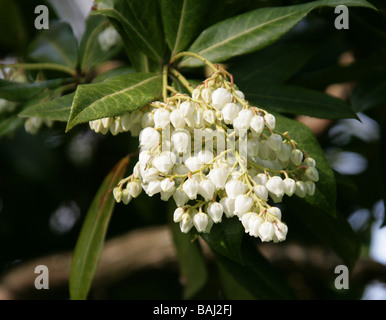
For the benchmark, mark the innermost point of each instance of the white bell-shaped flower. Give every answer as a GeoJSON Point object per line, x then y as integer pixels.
{"type": "Point", "coordinates": [243, 203]}
{"type": "Point", "coordinates": [261, 178]}
{"type": "Point", "coordinates": [275, 186]}
{"type": "Point", "coordinates": [229, 206]}
{"type": "Point", "coordinates": [200, 221]}
{"type": "Point", "coordinates": [167, 185]}
{"type": "Point", "coordinates": [310, 188]}
{"type": "Point", "coordinates": [180, 141]}
{"type": "Point", "coordinates": [164, 162]}
{"type": "Point", "coordinates": [261, 192]}
{"type": "Point", "coordinates": [180, 197]}
{"type": "Point", "coordinates": [254, 223]}
{"type": "Point", "coordinates": [153, 188]}
{"type": "Point", "coordinates": [191, 187]}
{"type": "Point", "coordinates": [234, 188]}
{"type": "Point", "coordinates": [126, 197]}
{"type": "Point", "coordinates": [220, 97]}
{"type": "Point", "coordinates": [230, 112]}
{"type": "Point", "coordinates": [186, 223]}
{"type": "Point", "coordinates": [219, 176]}
{"type": "Point", "coordinates": [289, 186]}
{"type": "Point", "coordinates": [245, 116]}
{"type": "Point", "coordinates": [275, 142]}
{"type": "Point", "coordinates": [187, 109]}
{"type": "Point", "coordinates": [266, 231]}
{"type": "Point", "coordinates": [270, 121]}
{"type": "Point", "coordinates": [177, 215]}
{"type": "Point", "coordinates": [240, 94]}
{"type": "Point", "coordinates": [206, 94]}
{"type": "Point", "coordinates": [150, 174]}
{"type": "Point", "coordinates": [177, 119]}
{"type": "Point", "coordinates": [193, 163]}
{"type": "Point", "coordinates": [196, 94]}
{"type": "Point", "coordinates": [205, 156]}
{"type": "Point", "coordinates": [161, 118]}
{"type": "Point", "coordinates": [281, 231]}
{"type": "Point", "coordinates": [147, 120]}
{"type": "Point", "coordinates": [165, 196]}
{"type": "Point", "coordinates": [253, 147]}
{"type": "Point", "coordinates": [275, 212]}
{"type": "Point", "coordinates": [209, 116]}
{"type": "Point", "coordinates": [257, 124]}
{"type": "Point", "coordinates": [309, 162]}
{"type": "Point", "coordinates": [206, 189]}
{"type": "Point", "coordinates": [245, 220]}
{"type": "Point", "coordinates": [149, 138]}
{"type": "Point", "coordinates": [215, 211]}
{"type": "Point", "coordinates": [134, 188]}
{"type": "Point", "coordinates": [115, 126]}
{"type": "Point", "coordinates": [284, 153]}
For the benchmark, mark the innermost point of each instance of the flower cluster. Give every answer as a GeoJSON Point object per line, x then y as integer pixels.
{"type": "Point", "coordinates": [217, 157]}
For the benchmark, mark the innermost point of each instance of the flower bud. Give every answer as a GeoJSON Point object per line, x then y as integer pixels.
{"type": "Point", "coordinates": [215, 211]}
{"type": "Point", "coordinates": [106, 122]}
{"type": "Point", "coordinates": [310, 188]}
{"type": "Point", "coordinates": [301, 189]}
{"type": "Point", "coordinates": [309, 162]}
{"type": "Point", "coordinates": [266, 231]}
{"type": "Point", "coordinates": [270, 121]}
{"type": "Point", "coordinates": [240, 94]}
{"type": "Point", "coordinates": [281, 231]}
{"type": "Point", "coordinates": [209, 116]}
{"type": "Point", "coordinates": [245, 117]}
{"type": "Point", "coordinates": [126, 197]}
{"type": "Point", "coordinates": [115, 126]}
{"type": "Point", "coordinates": [296, 157]}
{"type": "Point", "coordinates": [312, 174]}
{"type": "Point", "coordinates": [181, 141]}
{"type": "Point", "coordinates": [200, 221]}
{"type": "Point", "coordinates": [206, 94]}
{"type": "Point", "coordinates": [196, 94]}
{"type": "Point", "coordinates": [134, 188]}
{"type": "Point", "coordinates": [117, 192]}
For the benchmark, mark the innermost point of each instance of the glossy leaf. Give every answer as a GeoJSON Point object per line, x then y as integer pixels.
{"type": "Point", "coordinates": [325, 193]}
{"type": "Point", "coordinates": [254, 30]}
{"type": "Point", "coordinates": [257, 279]}
{"type": "Point", "coordinates": [90, 51]}
{"type": "Point", "coordinates": [21, 91]}
{"type": "Point", "coordinates": [92, 236]}
{"type": "Point", "coordinates": [297, 100]}
{"type": "Point", "coordinates": [370, 92]}
{"type": "Point", "coordinates": [55, 45]}
{"type": "Point", "coordinates": [133, 16]}
{"type": "Point", "coordinates": [262, 66]}
{"type": "Point", "coordinates": [225, 238]}
{"type": "Point", "coordinates": [183, 21]}
{"type": "Point", "coordinates": [113, 97]}
{"type": "Point", "coordinates": [57, 109]}
{"type": "Point", "coordinates": [191, 261]}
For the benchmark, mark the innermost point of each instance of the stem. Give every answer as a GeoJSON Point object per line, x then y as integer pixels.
{"type": "Point", "coordinates": [37, 66]}
{"type": "Point", "coordinates": [182, 79]}
{"type": "Point", "coordinates": [195, 55]}
{"type": "Point", "coordinates": [165, 83]}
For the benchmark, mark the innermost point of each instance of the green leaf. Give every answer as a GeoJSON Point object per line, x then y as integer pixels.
{"type": "Point", "coordinates": [313, 224]}
{"type": "Point", "coordinates": [262, 66]}
{"type": "Point", "coordinates": [140, 21]}
{"type": "Point", "coordinates": [113, 97]}
{"type": "Point", "coordinates": [325, 191]}
{"type": "Point", "coordinates": [113, 73]}
{"type": "Point", "coordinates": [225, 238]}
{"type": "Point", "coordinates": [257, 279]}
{"type": "Point", "coordinates": [191, 261]}
{"type": "Point", "coordinates": [55, 45]}
{"type": "Point", "coordinates": [297, 100]}
{"type": "Point", "coordinates": [370, 92]}
{"type": "Point", "coordinates": [254, 30]}
{"type": "Point", "coordinates": [57, 109]}
{"type": "Point", "coordinates": [21, 91]}
{"type": "Point", "coordinates": [90, 51]}
{"type": "Point", "coordinates": [183, 21]}
{"type": "Point", "coordinates": [92, 236]}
